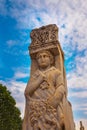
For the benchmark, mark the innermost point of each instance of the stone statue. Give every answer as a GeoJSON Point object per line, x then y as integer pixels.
{"type": "Point", "coordinates": [47, 107]}
{"type": "Point", "coordinates": [81, 126]}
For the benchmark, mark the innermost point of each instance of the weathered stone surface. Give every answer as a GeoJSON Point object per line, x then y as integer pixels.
{"type": "Point", "coordinates": [47, 107]}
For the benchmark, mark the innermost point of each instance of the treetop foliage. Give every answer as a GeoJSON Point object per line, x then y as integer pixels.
{"type": "Point", "coordinates": [9, 114]}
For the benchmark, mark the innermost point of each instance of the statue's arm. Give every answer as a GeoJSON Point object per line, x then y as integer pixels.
{"type": "Point", "coordinates": [58, 95]}
{"type": "Point", "coordinates": [59, 92]}
{"type": "Point", "coordinates": [33, 84]}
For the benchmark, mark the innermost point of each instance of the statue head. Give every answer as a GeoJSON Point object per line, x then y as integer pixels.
{"type": "Point", "coordinates": [44, 59]}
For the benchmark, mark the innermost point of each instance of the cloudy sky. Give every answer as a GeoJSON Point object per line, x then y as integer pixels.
{"type": "Point", "coordinates": [17, 19]}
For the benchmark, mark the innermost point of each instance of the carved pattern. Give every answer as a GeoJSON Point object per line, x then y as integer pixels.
{"type": "Point", "coordinates": [44, 37]}
{"type": "Point", "coordinates": [44, 114]}
{"type": "Point", "coordinates": [53, 36]}
{"type": "Point", "coordinates": [44, 34]}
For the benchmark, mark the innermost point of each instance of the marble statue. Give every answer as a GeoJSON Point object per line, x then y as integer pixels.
{"type": "Point", "coordinates": [47, 107]}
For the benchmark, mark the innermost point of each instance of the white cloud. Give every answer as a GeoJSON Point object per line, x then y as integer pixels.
{"type": "Point", "coordinates": [21, 106]}
{"type": "Point", "coordinates": [14, 44]}
{"type": "Point", "coordinates": [77, 78]}
{"type": "Point", "coordinates": [61, 13]}
{"type": "Point", "coordinates": [80, 95]}
{"type": "Point", "coordinates": [19, 75]}
{"type": "Point", "coordinates": [80, 106]}
{"type": "Point", "coordinates": [52, 2]}
{"type": "Point", "coordinates": [76, 81]}
{"type": "Point", "coordinates": [17, 88]}
{"type": "Point", "coordinates": [72, 14]}
{"type": "Point", "coordinates": [85, 112]}
{"type": "Point", "coordinates": [17, 91]}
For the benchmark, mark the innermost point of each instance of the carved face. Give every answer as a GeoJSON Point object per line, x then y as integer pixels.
{"type": "Point", "coordinates": [43, 60]}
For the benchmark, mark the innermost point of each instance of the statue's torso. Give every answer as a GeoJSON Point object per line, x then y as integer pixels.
{"type": "Point", "coordinates": [45, 90]}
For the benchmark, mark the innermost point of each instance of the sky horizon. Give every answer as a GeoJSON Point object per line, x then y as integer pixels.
{"type": "Point", "coordinates": [17, 19]}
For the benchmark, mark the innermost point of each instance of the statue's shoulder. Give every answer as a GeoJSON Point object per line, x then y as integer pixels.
{"type": "Point", "coordinates": [36, 74]}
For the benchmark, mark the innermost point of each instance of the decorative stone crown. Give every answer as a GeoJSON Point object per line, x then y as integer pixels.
{"type": "Point", "coordinates": [44, 38]}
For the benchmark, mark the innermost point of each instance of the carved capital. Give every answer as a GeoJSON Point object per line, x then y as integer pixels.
{"type": "Point", "coordinates": [44, 38]}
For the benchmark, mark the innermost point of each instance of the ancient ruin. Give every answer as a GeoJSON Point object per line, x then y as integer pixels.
{"type": "Point", "coordinates": [47, 107]}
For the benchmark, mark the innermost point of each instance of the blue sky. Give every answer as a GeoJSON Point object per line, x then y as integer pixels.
{"type": "Point", "coordinates": [17, 19]}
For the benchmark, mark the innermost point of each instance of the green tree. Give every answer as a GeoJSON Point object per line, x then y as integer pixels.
{"type": "Point", "coordinates": [9, 114]}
